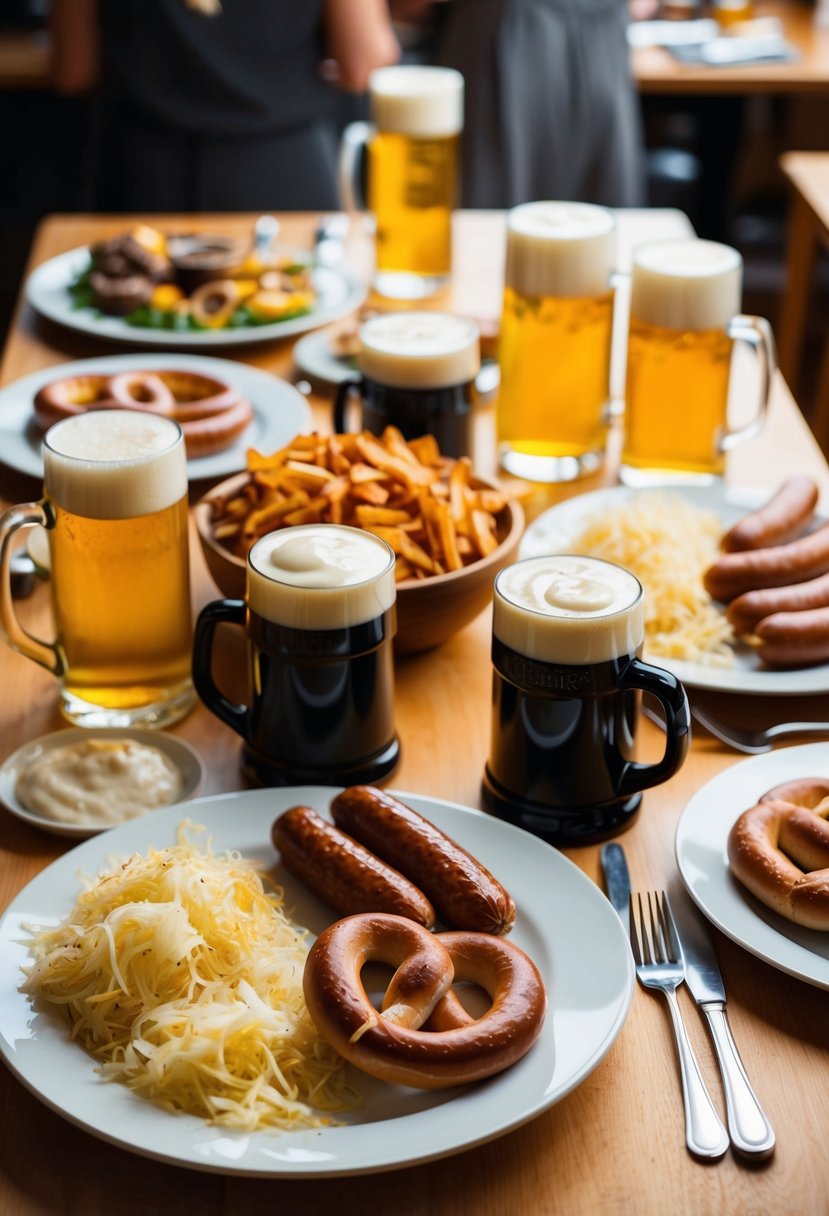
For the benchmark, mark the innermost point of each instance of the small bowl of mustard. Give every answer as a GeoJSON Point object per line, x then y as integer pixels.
{"type": "Point", "coordinates": [81, 781]}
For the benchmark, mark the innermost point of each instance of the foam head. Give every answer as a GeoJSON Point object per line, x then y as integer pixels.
{"type": "Point", "coordinates": [423, 102]}
{"type": "Point", "coordinates": [568, 609]}
{"type": "Point", "coordinates": [115, 464]}
{"type": "Point", "coordinates": [560, 249]}
{"type": "Point", "coordinates": [419, 349]}
{"type": "Point", "coordinates": [689, 285]}
{"type": "Point", "coordinates": [320, 576]}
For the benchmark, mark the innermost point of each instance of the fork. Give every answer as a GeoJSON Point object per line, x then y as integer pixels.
{"type": "Point", "coordinates": [660, 965]}
{"type": "Point", "coordinates": [752, 742]}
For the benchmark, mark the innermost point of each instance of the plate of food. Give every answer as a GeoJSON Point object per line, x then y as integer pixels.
{"type": "Point", "coordinates": [223, 407]}
{"type": "Point", "coordinates": [767, 630]}
{"type": "Point", "coordinates": [702, 853]}
{"type": "Point", "coordinates": [189, 290]}
{"type": "Point", "coordinates": [219, 867]}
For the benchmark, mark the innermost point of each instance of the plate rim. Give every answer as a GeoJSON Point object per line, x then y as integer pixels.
{"type": "Point", "coordinates": [355, 294]}
{"type": "Point", "coordinates": [807, 681]}
{"type": "Point", "coordinates": [769, 929]}
{"type": "Point", "coordinates": [218, 465]}
{"type": "Point", "coordinates": [619, 1003]}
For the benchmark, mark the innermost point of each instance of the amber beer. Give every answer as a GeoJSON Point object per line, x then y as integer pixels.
{"type": "Point", "coordinates": [556, 324]}
{"type": "Point", "coordinates": [116, 512]}
{"type": "Point", "coordinates": [685, 297]}
{"type": "Point", "coordinates": [417, 113]}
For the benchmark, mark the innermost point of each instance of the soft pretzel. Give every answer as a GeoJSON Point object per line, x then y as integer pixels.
{"type": "Point", "coordinates": [210, 413]}
{"type": "Point", "coordinates": [390, 1044]}
{"type": "Point", "coordinates": [779, 850]}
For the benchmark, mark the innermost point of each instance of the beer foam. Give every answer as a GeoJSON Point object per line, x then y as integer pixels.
{"type": "Point", "coordinates": [424, 102]}
{"type": "Point", "coordinates": [115, 464]}
{"type": "Point", "coordinates": [569, 609]}
{"type": "Point", "coordinates": [419, 350]}
{"type": "Point", "coordinates": [560, 249]}
{"type": "Point", "coordinates": [320, 576]}
{"type": "Point", "coordinates": [689, 285]}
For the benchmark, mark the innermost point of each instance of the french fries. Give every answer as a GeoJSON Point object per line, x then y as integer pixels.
{"type": "Point", "coordinates": [424, 505]}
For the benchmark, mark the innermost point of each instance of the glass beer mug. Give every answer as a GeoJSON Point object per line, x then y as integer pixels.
{"type": "Point", "coordinates": [413, 154]}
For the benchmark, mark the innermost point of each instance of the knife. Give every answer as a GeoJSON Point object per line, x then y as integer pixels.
{"type": "Point", "coordinates": [749, 1129]}
{"type": "Point", "coordinates": [616, 880]}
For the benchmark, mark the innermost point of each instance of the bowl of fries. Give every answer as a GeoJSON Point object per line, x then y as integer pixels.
{"type": "Point", "coordinates": [450, 530]}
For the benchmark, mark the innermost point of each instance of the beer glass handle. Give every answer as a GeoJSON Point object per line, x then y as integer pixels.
{"type": "Point", "coordinates": [353, 142]}
{"type": "Point", "coordinates": [756, 333]}
{"type": "Point", "coordinates": [671, 696]}
{"type": "Point", "coordinates": [232, 611]}
{"type": "Point", "coordinates": [344, 390]}
{"type": "Point", "coordinates": [47, 654]}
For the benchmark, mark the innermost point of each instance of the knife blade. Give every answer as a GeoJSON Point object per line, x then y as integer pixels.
{"type": "Point", "coordinates": [749, 1128]}
{"type": "Point", "coordinates": [616, 879]}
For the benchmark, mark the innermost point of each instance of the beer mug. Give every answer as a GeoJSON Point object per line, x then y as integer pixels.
{"type": "Point", "coordinates": [115, 509]}
{"type": "Point", "coordinates": [567, 634]}
{"type": "Point", "coordinates": [418, 373]}
{"type": "Point", "coordinates": [413, 154]}
{"type": "Point", "coordinates": [684, 321]}
{"type": "Point", "coordinates": [553, 405]}
{"type": "Point", "coordinates": [319, 622]}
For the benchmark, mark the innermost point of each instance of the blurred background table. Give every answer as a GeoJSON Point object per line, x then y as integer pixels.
{"type": "Point", "coordinates": [616, 1143]}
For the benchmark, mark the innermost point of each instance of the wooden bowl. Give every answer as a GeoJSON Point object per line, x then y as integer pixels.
{"type": "Point", "coordinates": [429, 610]}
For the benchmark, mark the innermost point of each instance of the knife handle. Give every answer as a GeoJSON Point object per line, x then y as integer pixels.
{"type": "Point", "coordinates": [748, 1126]}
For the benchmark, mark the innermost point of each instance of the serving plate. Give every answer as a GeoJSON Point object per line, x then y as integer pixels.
{"type": "Point", "coordinates": [564, 923]}
{"type": "Point", "coordinates": [555, 530]}
{"type": "Point", "coordinates": [701, 854]}
{"type": "Point", "coordinates": [279, 410]}
{"type": "Point", "coordinates": [339, 291]}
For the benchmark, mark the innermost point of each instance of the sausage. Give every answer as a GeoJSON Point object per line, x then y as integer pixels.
{"type": "Point", "coordinates": [747, 610]}
{"type": "Point", "coordinates": [780, 566]}
{"type": "Point", "coordinates": [388, 1043]}
{"type": "Point", "coordinates": [465, 894]}
{"type": "Point", "coordinates": [779, 521]}
{"type": "Point", "coordinates": [341, 872]}
{"type": "Point", "coordinates": [794, 639]}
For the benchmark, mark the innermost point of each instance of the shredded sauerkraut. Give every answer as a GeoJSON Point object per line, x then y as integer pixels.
{"type": "Point", "coordinates": [181, 974]}
{"type": "Point", "coordinates": [668, 543]}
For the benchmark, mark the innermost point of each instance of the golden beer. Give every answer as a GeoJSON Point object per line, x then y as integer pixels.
{"type": "Point", "coordinates": [684, 297]}
{"type": "Point", "coordinates": [417, 114]}
{"type": "Point", "coordinates": [115, 509]}
{"type": "Point", "coordinates": [554, 350]}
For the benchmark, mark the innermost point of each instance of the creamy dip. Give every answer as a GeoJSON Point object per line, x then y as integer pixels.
{"type": "Point", "coordinates": [98, 781]}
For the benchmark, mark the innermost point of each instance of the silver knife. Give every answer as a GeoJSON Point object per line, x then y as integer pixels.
{"type": "Point", "coordinates": [749, 1129]}
{"type": "Point", "coordinates": [616, 880]}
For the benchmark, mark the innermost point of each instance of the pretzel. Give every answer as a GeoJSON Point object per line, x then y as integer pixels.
{"type": "Point", "coordinates": [779, 850]}
{"type": "Point", "coordinates": [422, 1036]}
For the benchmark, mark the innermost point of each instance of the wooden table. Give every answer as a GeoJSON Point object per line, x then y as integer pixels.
{"type": "Point", "coordinates": [808, 173]}
{"type": "Point", "coordinates": [615, 1144]}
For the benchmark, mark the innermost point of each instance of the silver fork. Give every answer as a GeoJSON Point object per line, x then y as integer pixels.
{"type": "Point", "coordinates": [752, 742]}
{"type": "Point", "coordinates": [660, 965]}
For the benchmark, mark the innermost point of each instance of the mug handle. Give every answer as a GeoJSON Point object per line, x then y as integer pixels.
{"type": "Point", "coordinates": [353, 143]}
{"type": "Point", "coordinates": [46, 654]}
{"type": "Point", "coordinates": [756, 333]}
{"type": "Point", "coordinates": [344, 390]}
{"type": "Point", "coordinates": [232, 611]}
{"type": "Point", "coordinates": [674, 701]}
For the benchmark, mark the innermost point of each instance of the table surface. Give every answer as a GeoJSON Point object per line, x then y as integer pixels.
{"type": "Point", "coordinates": [616, 1143]}
{"type": "Point", "coordinates": [809, 174]}
{"type": "Point", "coordinates": [657, 71]}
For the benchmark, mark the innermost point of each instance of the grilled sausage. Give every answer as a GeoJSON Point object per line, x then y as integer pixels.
{"type": "Point", "coordinates": [464, 893]}
{"type": "Point", "coordinates": [781, 519]}
{"type": "Point", "coordinates": [794, 639]}
{"type": "Point", "coordinates": [735, 573]}
{"type": "Point", "coordinates": [746, 611]}
{"type": "Point", "coordinates": [341, 872]}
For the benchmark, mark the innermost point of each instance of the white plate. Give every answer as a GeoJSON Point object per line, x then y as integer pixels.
{"type": "Point", "coordinates": [564, 923]}
{"type": "Point", "coordinates": [701, 854]}
{"type": "Point", "coordinates": [314, 358]}
{"type": "Point", "coordinates": [558, 527]}
{"type": "Point", "coordinates": [339, 292]}
{"type": "Point", "coordinates": [182, 754]}
{"type": "Point", "coordinates": [279, 411]}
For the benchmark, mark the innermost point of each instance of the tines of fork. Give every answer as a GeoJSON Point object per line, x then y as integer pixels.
{"type": "Point", "coordinates": [660, 965]}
